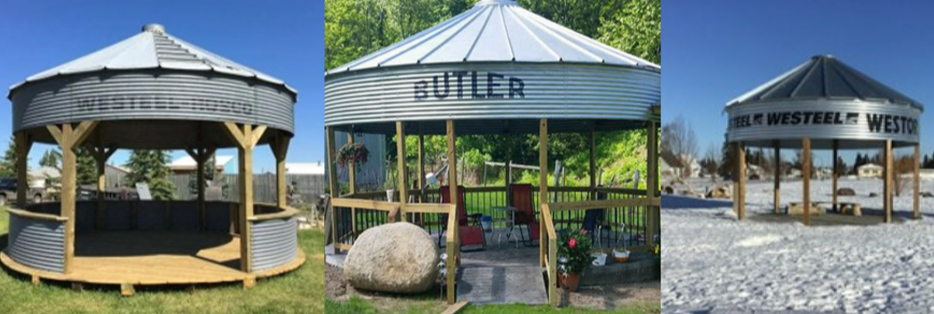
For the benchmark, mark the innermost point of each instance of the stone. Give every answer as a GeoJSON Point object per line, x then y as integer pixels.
{"type": "Point", "coordinates": [397, 257]}
{"type": "Point", "coordinates": [846, 192]}
{"type": "Point", "coordinates": [873, 194]}
{"type": "Point", "coordinates": [721, 192]}
{"type": "Point", "coordinates": [926, 194]}
{"type": "Point", "coordinates": [668, 189]}
{"type": "Point", "coordinates": [798, 209]}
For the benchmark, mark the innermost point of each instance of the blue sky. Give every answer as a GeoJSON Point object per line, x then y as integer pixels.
{"type": "Point", "coordinates": [714, 51]}
{"type": "Point", "coordinates": [284, 39]}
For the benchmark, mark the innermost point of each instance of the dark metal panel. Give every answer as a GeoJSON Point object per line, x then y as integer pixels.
{"type": "Point", "coordinates": [184, 215]}
{"type": "Point", "coordinates": [548, 90]}
{"type": "Point", "coordinates": [218, 217]}
{"type": "Point", "coordinates": [36, 243]}
{"type": "Point", "coordinates": [117, 216]}
{"type": "Point", "coordinates": [86, 214]}
{"type": "Point", "coordinates": [150, 215]}
{"type": "Point", "coordinates": [275, 242]}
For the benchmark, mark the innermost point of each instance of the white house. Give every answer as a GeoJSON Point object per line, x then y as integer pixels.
{"type": "Point", "coordinates": [304, 168]}
{"type": "Point", "coordinates": [186, 164]}
{"type": "Point", "coordinates": [869, 171]}
{"type": "Point", "coordinates": [41, 175]}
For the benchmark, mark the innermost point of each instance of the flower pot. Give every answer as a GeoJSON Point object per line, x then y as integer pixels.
{"type": "Point", "coordinates": [390, 194]}
{"type": "Point", "coordinates": [571, 281]}
{"type": "Point", "coordinates": [599, 259]}
{"type": "Point", "coordinates": [621, 256]}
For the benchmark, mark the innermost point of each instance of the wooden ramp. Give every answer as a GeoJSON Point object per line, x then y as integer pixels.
{"type": "Point", "coordinates": [501, 285]}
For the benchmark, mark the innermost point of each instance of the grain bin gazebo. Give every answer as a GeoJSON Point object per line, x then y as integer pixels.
{"type": "Point", "coordinates": [152, 91]}
{"type": "Point", "coordinates": [824, 104]}
{"type": "Point", "coordinates": [496, 69]}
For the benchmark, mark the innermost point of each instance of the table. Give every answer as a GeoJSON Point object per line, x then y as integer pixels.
{"type": "Point", "coordinates": [509, 217]}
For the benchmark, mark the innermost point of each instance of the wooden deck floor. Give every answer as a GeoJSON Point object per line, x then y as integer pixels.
{"type": "Point", "coordinates": [154, 258]}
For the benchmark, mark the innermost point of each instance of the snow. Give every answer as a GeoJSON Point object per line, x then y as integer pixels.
{"type": "Point", "coordinates": [711, 262]}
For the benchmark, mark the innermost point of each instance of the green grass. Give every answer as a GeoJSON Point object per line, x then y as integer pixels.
{"type": "Point", "coordinates": [301, 291]}
{"type": "Point", "coordinates": [357, 305]}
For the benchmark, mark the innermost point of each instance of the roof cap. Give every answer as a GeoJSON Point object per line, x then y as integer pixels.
{"type": "Point", "coordinates": [154, 27]}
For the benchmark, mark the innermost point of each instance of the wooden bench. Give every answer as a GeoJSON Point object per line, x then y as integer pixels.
{"type": "Point", "coordinates": [818, 208]}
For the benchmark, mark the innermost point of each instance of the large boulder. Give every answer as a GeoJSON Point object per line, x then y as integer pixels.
{"type": "Point", "coordinates": [721, 192]}
{"type": "Point", "coordinates": [396, 257]}
{"type": "Point", "coordinates": [846, 192]}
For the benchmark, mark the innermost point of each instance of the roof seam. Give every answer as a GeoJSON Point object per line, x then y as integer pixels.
{"type": "Point", "coordinates": [538, 39]}
{"type": "Point", "coordinates": [502, 17]}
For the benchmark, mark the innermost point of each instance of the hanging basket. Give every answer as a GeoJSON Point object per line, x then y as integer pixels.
{"type": "Point", "coordinates": [352, 154]}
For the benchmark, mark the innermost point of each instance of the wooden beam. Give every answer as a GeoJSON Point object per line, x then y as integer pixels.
{"type": "Point", "coordinates": [84, 129]}
{"type": "Point", "coordinates": [915, 196]}
{"type": "Point", "coordinates": [806, 179]}
{"type": "Point", "coordinates": [400, 165]}
{"type": "Point", "coordinates": [542, 181]}
{"type": "Point", "coordinates": [889, 173]}
{"type": "Point", "coordinates": [455, 308]}
{"type": "Point", "coordinates": [258, 132]}
{"type": "Point", "coordinates": [421, 163]}
{"type": "Point", "coordinates": [246, 199]}
{"type": "Point", "coordinates": [281, 144]}
{"type": "Point", "coordinates": [234, 133]}
{"type": "Point", "coordinates": [651, 181]}
{"type": "Point", "coordinates": [332, 183]}
{"type": "Point", "coordinates": [741, 192]}
{"type": "Point", "coordinates": [833, 190]}
{"type": "Point", "coordinates": [68, 180]}
{"type": "Point", "coordinates": [593, 164]}
{"type": "Point", "coordinates": [776, 193]}
{"type": "Point", "coordinates": [22, 168]}
{"type": "Point", "coordinates": [56, 133]}
{"type": "Point", "coordinates": [453, 246]}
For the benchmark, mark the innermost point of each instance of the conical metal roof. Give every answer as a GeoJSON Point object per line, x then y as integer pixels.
{"type": "Point", "coordinates": [496, 31]}
{"type": "Point", "coordinates": [153, 48]}
{"type": "Point", "coordinates": [824, 76]}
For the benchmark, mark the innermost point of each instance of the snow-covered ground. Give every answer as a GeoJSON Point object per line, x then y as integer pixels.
{"type": "Point", "coordinates": [712, 262]}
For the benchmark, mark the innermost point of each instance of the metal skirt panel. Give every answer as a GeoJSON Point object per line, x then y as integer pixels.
{"type": "Point", "coordinates": [37, 243]}
{"type": "Point", "coordinates": [275, 242]}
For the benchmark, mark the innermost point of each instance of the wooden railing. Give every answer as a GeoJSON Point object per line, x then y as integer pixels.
{"type": "Point", "coordinates": [549, 257]}
{"type": "Point", "coordinates": [382, 212]}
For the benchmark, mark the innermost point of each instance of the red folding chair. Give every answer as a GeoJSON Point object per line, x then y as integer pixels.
{"type": "Point", "coordinates": [471, 233]}
{"type": "Point", "coordinates": [521, 199]}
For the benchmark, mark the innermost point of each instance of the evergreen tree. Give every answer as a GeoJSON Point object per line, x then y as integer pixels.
{"type": "Point", "coordinates": [86, 166]}
{"type": "Point", "coordinates": [726, 162]}
{"type": "Point", "coordinates": [210, 171]}
{"type": "Point", "coordinates": [8, 163]}
{"type": "Point", "coordinates": [151, 167]}
{"type": "Point", "coordinates": [51, 158]}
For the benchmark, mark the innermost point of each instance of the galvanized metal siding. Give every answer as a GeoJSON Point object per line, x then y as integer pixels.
{"type": "Point", "coordinates": [859, 131]}
{"type": "Point", "coordinates": [146, 95]}
{"type": "Point", "coordinates": [552, 90]}
{"type": "Point", "coordinates": [37, 243]}
{"type": "Point", "coordinates": [275, 242]}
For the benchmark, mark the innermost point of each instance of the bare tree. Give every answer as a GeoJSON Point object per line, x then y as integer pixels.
{"type": "Point", "coordinates": [679, 139]}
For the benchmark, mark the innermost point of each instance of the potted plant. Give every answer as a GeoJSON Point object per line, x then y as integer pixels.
{"type": "Point", "coordinates": [354, 154]}
{"type": "Point", "coordinates": [621, 254]}
{"type": "Point", "coordinates": [599, 254]}
{"type": "Point", "coordinates": [575, 250]}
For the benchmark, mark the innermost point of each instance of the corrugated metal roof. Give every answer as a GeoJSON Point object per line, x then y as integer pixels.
{"type": "Point", "coordinates": [824, 76]}
{"type": "Point", "coordinates": [496, 31]}
{"type": "Point", "coordinates": [153, 48]}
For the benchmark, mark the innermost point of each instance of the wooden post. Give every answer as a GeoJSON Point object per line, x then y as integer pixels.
{"type": "Point", "coordinates": [741, 176]}
{"type": "Point", "coordinates": [452, 184]}
{"type": "Point", "coordinates": [23, 145]}
{"type": "Point", "coordinates": [542, 182]}
{"type": "Point", "coordinates": [400, 159]}
{"type": "Point", "coordinates": [916, 200]}
{"type": "Point", "coordinates": [833, 191]}
{"type": "Point", "coordinates": [806, 179]}
{"type": "Point", "coordinates": [651, 183]}
{"type": "Point", "coordinates": [593, 162]}
{"type": "Point", "coordinates": [68, 139]}
{"type": "Point", "coordinates": [280, 149]}
{"type": "Point", "coordinates": [777, 195]}
{"type": "Point", "coordinates": [246, 137]}
{"type": "Point", "coordinates": [887, 190]}
{"type": "Point", "coordinates": [101, 155]}
{"type": "Point", "coordinates": [332, 184]}
{"type": "Point", "coordinates": [201, 156]}
{"type": "Point", "coordinates": [352, 187]}
{"type": "Point", "coordinates": [421, 163]}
